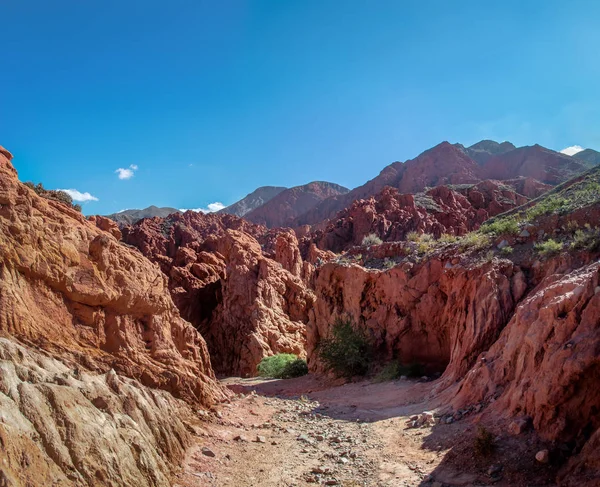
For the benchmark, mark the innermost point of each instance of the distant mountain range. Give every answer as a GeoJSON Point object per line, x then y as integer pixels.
{"type": "Point", "coordinates": [129, 217]}
{"type": "Point", "coordinates": [250, 202]}
{"type": "Point", "coordinates": [445, 164]}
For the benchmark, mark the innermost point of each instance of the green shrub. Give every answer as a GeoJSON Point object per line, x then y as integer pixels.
{"type": "Point", "coordinates": [552, 204]}
{"type": "Point", "coordinates": [53, 194]}
{"type": "Point", "coordinates": [507, 250]}
{"type": "Point", "coordinates": [296, 368]}
{"type": "Point", "coordinates": [549, 247]}
{"type": "Point", "coordinates": [446, 238]}
{"type": "Point", "coordinates": [588, 239]}
{"type": "Point", "coordinates": [282, 366]}
{"type": "Point", "coordinates": [474, 241]}
{"type": "Point", "coordinates": [390, 371]}
{"type": "Point", "coordinates": [503, 226]}
{"type": "Point", "coordinates": [484, 442]}
{"type": "Point", "coordinates": [371, 239]}
{"type": "Point", "coordinates": [348, 351]}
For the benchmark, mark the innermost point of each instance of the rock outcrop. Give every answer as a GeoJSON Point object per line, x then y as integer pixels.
{"type": "Point", "coordinates": [247, 302]}
{"type": "Point", "coordinates": [441, 210]}
{"type": "Point", "coordinates": [61, 425]}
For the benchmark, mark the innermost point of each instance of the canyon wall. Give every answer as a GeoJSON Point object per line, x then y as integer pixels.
{"type": "Point", "coordinates": [93, 351]}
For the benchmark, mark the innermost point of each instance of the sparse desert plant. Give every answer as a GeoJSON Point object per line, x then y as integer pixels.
{"type": "Point", "coordinates": [348, 351]}
{"type": "Point", "coordinates": [503, 226]}
{"type": "Point", "coordinates": [53, 194]}
{"type": "Point", "coordinates": [507, 250]}
{"type": "Point", "coordinates": [388, 263]}
{"type": "Point", "coordinates": [282, 366]}
{"type": "Point", "coordinates": [484, 443]}
{"type": "Point", "coordinates": [489, 256]}
{"type": "Point", "coordinates": [447, 238]}
{"type": "Point", "coordinates": [587, 239]}
{"type": "Point", "coordinates": [552, 204]}
{"type": "Point", "coordinates": [371, 239]}
{"type": "Point", "coordinates": [413, 236]}
{"type": "Point", "coordinates": [474, 241]}
{"type": "Point", "coordinates": [548, 247]}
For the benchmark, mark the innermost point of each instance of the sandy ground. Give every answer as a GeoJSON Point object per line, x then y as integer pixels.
{"type": "Point", "coordinates": [305, 431]}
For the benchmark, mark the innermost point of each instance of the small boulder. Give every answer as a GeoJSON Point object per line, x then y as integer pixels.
{"type": "Point", "coordinates": [542, 456]}
{"type": "Point", "coordinates": [208, 452]}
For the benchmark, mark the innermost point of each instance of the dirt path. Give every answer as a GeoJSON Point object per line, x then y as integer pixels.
{"type": "Point", "coordinates": [305, 432]}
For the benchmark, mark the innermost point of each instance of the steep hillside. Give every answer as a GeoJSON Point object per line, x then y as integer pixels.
{"type": "Point", "coordinates": [589, 156]}
{"type": "Point", "coordinates": [536, 162]}
{"type": "Point", "coordinates": [281, 210]}
{"type": "Point", "coordinates": [250, 202]}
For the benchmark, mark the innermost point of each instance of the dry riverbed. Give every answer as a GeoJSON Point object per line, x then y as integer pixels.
{"type": "Point", "coordinates": [303, 432]}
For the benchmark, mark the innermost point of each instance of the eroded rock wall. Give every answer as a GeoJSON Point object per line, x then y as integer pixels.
{"type": "Point", "coordinates": [248, 300]}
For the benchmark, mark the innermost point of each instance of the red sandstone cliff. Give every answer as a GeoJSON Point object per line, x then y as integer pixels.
{"type": "Point", "coordinates": [93, 352]}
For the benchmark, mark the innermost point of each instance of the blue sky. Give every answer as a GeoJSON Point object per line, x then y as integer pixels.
{"type": "Point", "coordinates": [203, 101]}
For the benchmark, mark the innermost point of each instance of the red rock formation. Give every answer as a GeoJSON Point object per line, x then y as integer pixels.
{"type": "Point", "coordinates": [521, 338]}
{"type": "Point", "coordinates": [247, 302]}
{"type": "Point", "coordinates": [106, 224]}
{"type": "Point", "coordinates": [89, 336]}
{"type": "Point", "coordinates": [392, 215]}
{"type": "Point", "coordinates": [450, 164]}
{"type": "Point", "coordinates": [74, 291]}
{"type": "Point", "coordinates": [432, 313]}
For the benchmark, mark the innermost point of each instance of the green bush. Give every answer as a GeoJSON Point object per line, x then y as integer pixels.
{"type": "Point", "coordinates": [371, 239]}
{"type": "Point", "coordinates": [507, 250]}
{"type": "Point", "coordinates": [53, 194]}
{"type": "Point", "coordinates": [390, 371]}
{"type": "Point", "coordinates": [552, 204]}
{"type": "Point", "coordinates": [549, 247]}
{"type": "Point", "coordinates": [474, 241]}
{"type": "Point", "coordinates": [282, 366]}
{"type": "Point", "coordinates": [504, 226]}
{"type": "Point", "coordinates": [588, 239]}
{"type": "Point", "coordinates": [348, 351]}
{"type": "Point", "coordinates": [296, 368]}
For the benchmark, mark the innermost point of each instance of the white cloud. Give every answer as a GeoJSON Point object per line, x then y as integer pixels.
{"type": "Point", "coordinates": [79, 196]}
{"type": "Point", "coordinates": [574, 149]}
{"type": "Point", "coordinates": [127, 173]}
{"type": "Point", "coordinates": [210, 208]}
